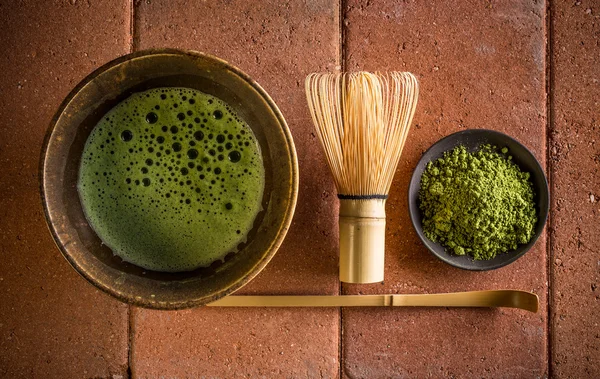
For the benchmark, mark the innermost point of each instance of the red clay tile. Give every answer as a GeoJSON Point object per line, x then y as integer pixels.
{"type": "Point", "coordinates": [277, 44]}
{"type": "Point", "coordinates": [479, 65]}
{"type": "Point", "coordinates": [217, 343]}
{"type": "Point", "coordinates": [52, 323]}
{"type": "Point", "coordinates": [575, 183]}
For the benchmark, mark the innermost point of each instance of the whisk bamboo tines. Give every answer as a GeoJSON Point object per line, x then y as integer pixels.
{"type": "Point", "coordinates": [362, 120]}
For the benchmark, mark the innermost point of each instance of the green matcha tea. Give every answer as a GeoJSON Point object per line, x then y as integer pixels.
{"type": "Point", "coordinates": [171, 179]}
{"type": "Point", "coordinates": [479, 203]}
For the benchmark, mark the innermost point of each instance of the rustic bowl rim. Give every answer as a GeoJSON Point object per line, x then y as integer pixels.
{"type": "Point", "coordinates": [292, 195]}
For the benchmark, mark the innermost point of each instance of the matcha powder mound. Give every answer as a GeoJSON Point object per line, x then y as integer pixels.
{"type": "Point", "coordinates": [479, 203]}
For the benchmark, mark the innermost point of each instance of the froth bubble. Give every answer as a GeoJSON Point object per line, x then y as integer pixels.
{"type": "Point", "coordinates": [151, 118]}
{"type": "Point", "coordinates": [234, 156]}
{"type": "Point", "coordinates": [192, 153]}
{"type": "Point", "coordinates": [218, 114]}
{"type": "Point", "coordinates": [126, 135]}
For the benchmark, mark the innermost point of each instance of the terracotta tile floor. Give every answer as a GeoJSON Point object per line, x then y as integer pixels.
{"type": "Point", "coordinates": [527, 68]}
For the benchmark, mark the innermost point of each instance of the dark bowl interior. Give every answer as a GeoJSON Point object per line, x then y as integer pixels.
{"type": "Point", "coordinates": [61, 157]}
{"type": "Point", "coordinates": [472, 140]}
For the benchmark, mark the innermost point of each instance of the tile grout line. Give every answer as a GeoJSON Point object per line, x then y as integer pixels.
{"type": "Point", "coordinates": [549, 169]}
{"type": "Point", "coordinates": [342, 65]}
{"type": "Point", "coordinates": [131, 26]}
{"type": "Point", "coordinates": [130, 336]}
{"type": "Point", "coordinates": [342, 35]}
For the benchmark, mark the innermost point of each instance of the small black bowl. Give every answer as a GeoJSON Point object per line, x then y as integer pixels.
{"type": "Point", "coordinates": [472, 140]}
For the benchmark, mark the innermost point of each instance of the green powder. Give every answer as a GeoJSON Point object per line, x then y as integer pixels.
{"type": "Point", "coordinates": [171, 179]}
{"type": "Point", "coordinates": [480, 204]}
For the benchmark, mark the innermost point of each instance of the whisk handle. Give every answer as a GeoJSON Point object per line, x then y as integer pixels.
{"type": "Point", "coordinates": [362, 240]}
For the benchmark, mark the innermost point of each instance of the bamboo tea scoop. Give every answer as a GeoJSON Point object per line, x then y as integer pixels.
{"type": "Point", "coordinates": [493, 298]}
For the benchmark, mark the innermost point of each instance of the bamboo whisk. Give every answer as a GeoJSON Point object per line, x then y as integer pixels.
{"type": "Point", "coordinates": [362, 120]}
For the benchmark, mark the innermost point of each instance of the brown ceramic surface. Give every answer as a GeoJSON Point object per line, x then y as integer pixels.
{"type": "Point", "coordinates": [61, 157]}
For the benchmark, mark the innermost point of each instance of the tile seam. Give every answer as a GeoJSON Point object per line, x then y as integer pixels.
{"type": "Point", "coordinates": [130, 336]}
{"type": "Point", "coordinates": [342, 35]}
{"type": "Point", "coordinates": [131, 26]}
